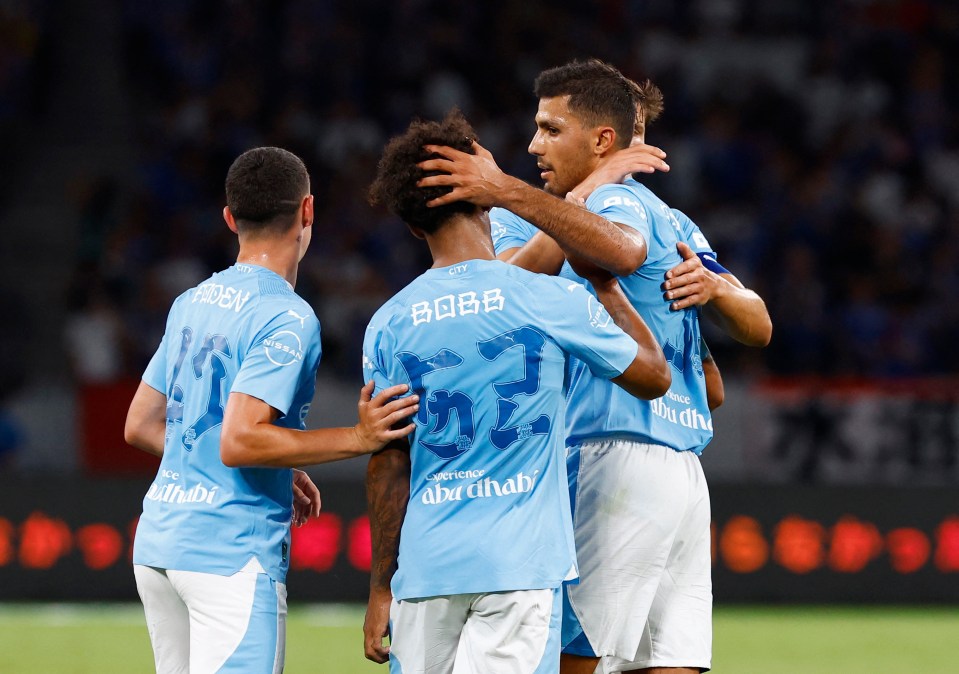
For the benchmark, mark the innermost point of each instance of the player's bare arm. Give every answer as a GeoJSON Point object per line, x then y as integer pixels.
{"type": "Point", "coordinates": [648, 376]}
{"type": "Point", "coordinates": [146, 420]}
{"type": "Point", "coordinates": [477, 179]}
{"type": "Point", "coordinates": [739, 311]}
{"type": "Point", "coordinates": [640, 158]}
{"type": "Point", "coordinates": [250, 438]}
{"type": "Point", "coordinates": [387, 493]}
{"type": "Point", "coordinates": [715, 390]}
{"type": "Point", "coordinates": [541, 254]}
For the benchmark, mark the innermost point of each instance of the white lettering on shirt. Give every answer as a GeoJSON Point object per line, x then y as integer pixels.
{"type": "Point", "coordinates": [452, 306]}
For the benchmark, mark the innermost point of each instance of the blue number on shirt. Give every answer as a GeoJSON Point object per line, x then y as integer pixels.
{"type": "Point", "coordinates": [532, 343]}
{"type": "Point", "coordinates": [442, 402]}
{"type": "Point", "coordinates": [213, 416]}
{"type": "Point", "coordinates": [174, 406]}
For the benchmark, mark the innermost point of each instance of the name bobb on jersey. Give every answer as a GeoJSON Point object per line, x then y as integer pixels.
{"type": "Point", "coordinates": [485, 345]}
{"type": "Point", "coordinates": [680, 419]}
{"type": "Point", "coordinates": [243, 330]}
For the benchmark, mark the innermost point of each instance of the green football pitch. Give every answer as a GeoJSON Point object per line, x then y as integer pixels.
{"type": "Point", "coordinates": [326, 639]}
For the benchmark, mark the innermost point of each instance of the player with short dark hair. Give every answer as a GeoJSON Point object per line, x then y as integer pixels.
{"type": "Point", "coordinates": [479, 491]}
{"type": "Point", "coordinates": [641, 503]}
{"type": "Point", "coordinates": [596, 93]}
{"type": "Point", "coordinates": [223, 404]}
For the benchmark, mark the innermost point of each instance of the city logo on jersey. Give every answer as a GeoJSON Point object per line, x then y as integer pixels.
{"type": "Point", "coordinates": [283, 348]}
{"type": "Point", "coordinates": [451, 306]}
{"type": "Point", "coordinates": [482, 488]}
{"type": "Point", "coordinates": [217, 294]}
{"type": "Point", "coordinates": [497, 230]}
{"type": "Point", "coordinates": [626, 201]}
{"type": "Point", "coordinates": [174, 493]}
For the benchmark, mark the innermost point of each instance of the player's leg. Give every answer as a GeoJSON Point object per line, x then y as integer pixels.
{"type": "Point", "coordinates": [678, 635]}
{"type": "Point", "coordinates": [513, 632]}
{"type": "Point", "coordinates": [237, 623]}
{"type": "Point", "coordinates": [628, 506]}
{"type": "Point", "coordinates": [425, 633]}
{"type": "Point", "coordinates": [168, 620]}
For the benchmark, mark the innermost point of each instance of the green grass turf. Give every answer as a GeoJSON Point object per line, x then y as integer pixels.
{"type": "Point", "coordinates": [112, 639]}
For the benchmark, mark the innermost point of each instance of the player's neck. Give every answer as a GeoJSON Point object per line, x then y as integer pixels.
{"type": "Point", "coordinates": [462, 237]}
{"type": "Point", "coordinates": [280, 260]}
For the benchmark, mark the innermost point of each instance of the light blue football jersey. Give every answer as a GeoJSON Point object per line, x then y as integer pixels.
{"type": "Point", "coordinates": [692, 235]}
{"type": "Point", "coordinates": [680, 419]}
{"type": "Point", "coordinates": [485, 346]}
{"type": "Point", "coordinates": [243, 330]}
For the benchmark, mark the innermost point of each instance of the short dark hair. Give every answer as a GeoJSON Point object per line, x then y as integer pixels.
{"type": "Point", "coordinates": [397, 172]}
{"type": "Point", "coordinates": [598, 94]}
{"type": "Point", "coordinates": [264, 188]}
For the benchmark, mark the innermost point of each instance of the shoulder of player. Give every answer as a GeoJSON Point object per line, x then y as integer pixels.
{"type": "Point", "coordinates": [392, 308]}
{"type": "Point", "coordinates": [543, 286]}
{"type": "Point", "coordinates": [500, 215]}
{"type": "Point", "coordinates": [686, 223]}
{"type": "Point", "coordinates": [504, 222]}
{"type": "Point", "coordinates": [285, 309]}
{"type": "Point", "coordinates": [629, 194]}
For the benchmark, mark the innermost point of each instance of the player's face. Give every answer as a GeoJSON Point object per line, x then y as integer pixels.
{"type": "Point", "coordinates": [562, 146]}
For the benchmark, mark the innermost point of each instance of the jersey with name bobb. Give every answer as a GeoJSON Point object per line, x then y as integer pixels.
{"type": "Point", "coordinates": [598, 409]}
{"type": "Point", "coordinates": [244, 330]}
{"type": "Point", "coordinates": [485, 345]}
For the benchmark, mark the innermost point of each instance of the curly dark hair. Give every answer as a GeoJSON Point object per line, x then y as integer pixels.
{"type": "Point", "coordinates": [264, 188]}
{"type": "Point", "coordinates": [598, 94]}
{"type": "Point", "coordinates": [397, 172]}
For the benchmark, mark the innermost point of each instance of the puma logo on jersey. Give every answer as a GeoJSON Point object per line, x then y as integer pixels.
{"type": "Point", "coordinates": [302, 319]}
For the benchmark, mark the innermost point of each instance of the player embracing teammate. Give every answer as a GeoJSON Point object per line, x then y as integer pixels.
{"type": "Point", "coordinates": [640, 501]}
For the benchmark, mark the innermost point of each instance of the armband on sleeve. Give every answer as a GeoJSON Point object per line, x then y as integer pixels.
{"type": "Point", "coordinates": [709, 261]}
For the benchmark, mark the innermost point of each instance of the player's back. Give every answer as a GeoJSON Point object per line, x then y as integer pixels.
{"type": "Point", "coordinates": [199, 514]}
{"type": "Point", "coordinates": [484, 345]}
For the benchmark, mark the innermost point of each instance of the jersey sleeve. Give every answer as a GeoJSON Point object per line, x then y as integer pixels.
{"type": "Point", "coordinates": [282, 356]}
{"type": "Point", "coordinates": [374, 365]}
{"type": "Point", "coordinates": [509, 230]}
{"type": "Point", "coordinates": [155, 374]}
{"type": "Point", "coordinates": [582, 327]}
{"type": "Point", "coordinates": [617, 203]}
{"type": "Point", "coordinates": [692, 234]}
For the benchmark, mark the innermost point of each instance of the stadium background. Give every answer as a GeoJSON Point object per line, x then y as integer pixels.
{"type": "Point", "coordinates": [816, 144]}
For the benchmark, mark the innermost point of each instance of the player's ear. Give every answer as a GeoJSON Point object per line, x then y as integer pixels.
{"type": "Point", "coordinates": [306, 209]}
{"type": "Point", "coordinates": [416, 231]}
{"type": "Point", "coordinates": [605, 140]}
{"type": "Point", "coordinates": [230, 220]}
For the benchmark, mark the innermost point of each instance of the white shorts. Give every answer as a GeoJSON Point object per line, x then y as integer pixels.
{"type": "Point", "coordinates": [201, 623]}
{"type": "Point", "coordinates": [502, 632]}
{"type": "Point", "coordinates": [642, 524]}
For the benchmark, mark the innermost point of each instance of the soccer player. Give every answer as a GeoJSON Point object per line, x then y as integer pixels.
{"type": "Point", "coordinates": [479, 492]}
{"type": "Point", "coordinates": [223, 404]}
{"type": "Point", "coordinates": [700, 280]}
{"type": "Point", "coordinates": [641, 504]}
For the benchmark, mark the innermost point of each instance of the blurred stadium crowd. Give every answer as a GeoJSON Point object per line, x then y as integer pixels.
{"type": "Point", "coordinates": [816, 144]}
